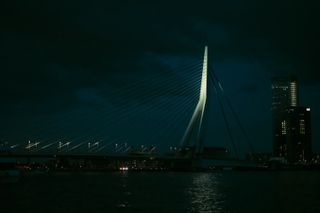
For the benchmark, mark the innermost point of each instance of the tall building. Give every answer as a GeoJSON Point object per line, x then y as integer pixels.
{"type": "Point", "coordinates": [298, 134]}
{"type": "Point", "coordinates": [284, 95]}
{"type": "Point", "coordinates": [291, 123]}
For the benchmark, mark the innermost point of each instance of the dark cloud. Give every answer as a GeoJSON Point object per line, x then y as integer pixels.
{"type": "Point", "coordinates": [249, 88]}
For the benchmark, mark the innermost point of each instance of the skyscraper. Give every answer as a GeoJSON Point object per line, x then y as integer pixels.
{"type": "Point", "coordinates": [291, 125]}
{"type": "Point", "coordinates": [298, 134]}
{"type": "Point", "coordinates": [284, 95]}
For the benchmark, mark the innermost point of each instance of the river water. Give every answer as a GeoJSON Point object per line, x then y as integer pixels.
{"type": "Point", "coordinates": [225, 191]}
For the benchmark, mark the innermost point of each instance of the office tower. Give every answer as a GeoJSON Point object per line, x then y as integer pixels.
{"type": "Point", "coordinates": [284, 95]}
{"type": "Point", "coordinates": [298, 134]}
{"type": "Point", "coordinates": [291, 123]}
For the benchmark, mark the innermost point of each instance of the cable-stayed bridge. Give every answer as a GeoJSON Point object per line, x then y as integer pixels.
{"type": "Point", "coordinates": [191, 144]}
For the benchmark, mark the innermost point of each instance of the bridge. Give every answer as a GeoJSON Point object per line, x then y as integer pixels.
{"type": "Point", "coordinates": [119, 152]}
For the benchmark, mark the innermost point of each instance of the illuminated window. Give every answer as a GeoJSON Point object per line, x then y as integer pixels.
{"type": "Point", "coordinates": [283, 128]}
{"type": "Point", "coordinates": [302, 127]}
{"type": "Point", "coordinates": [293, 93]}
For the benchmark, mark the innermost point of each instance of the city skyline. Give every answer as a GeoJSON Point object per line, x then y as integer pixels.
{"type": "Point", "coordinates": [159, 106]}
{"type": "Point", "coordinates": [60, 65]}
{"type": "Point", "coordinates": [291, 124]}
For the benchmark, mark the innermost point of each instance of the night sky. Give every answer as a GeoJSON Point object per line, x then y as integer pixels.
{"type": "Point", "coordinates": [100, 70]}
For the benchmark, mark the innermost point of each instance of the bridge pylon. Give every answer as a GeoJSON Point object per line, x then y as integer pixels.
{"type": "Point", "coordinates": [192, 135]}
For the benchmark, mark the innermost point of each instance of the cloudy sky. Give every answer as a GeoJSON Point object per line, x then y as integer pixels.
{"type": "Point", "coordinates": [128, 70]}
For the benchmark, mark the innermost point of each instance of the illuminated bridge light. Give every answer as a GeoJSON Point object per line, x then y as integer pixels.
{"type": "Point", "coordinates": [124, 168]}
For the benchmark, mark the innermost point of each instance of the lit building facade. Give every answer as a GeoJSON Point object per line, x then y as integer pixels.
{"type": "Point", "coordinates": [291, 123]}
{"type": "Point", "coordinates": [284, 95]}
{"type": "Point", "coordinates": [298, 134]}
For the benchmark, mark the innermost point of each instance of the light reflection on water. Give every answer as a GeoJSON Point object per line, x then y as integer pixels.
{"type": "Point", "coordinates": [124, 203]}
{"type": "Point", "coordinates": [205, 195]}
{"type": "Point", "coordinates": [169, 192]}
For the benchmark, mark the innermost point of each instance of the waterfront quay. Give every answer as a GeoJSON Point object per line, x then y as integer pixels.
{"type": "Point", "coordinates": [71, 162]}
{"type": "Point", "coordinates": [87, 162]}
{"type": "Point", "coordinates": [134, 162]}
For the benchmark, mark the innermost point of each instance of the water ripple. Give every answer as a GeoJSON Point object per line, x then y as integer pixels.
{"type": "Point", "coordinates": [204, 194]}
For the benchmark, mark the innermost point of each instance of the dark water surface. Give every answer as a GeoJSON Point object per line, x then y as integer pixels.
{"type": "Point", "coordinates": [226, 191]}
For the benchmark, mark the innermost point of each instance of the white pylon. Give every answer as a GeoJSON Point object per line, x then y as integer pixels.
{"type": "Point", "coordinates": [195, 123]}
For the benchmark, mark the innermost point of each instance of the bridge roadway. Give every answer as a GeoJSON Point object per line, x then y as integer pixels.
{"type": "Point", "coordinates": [87, 156]}
{"type": "Point", "coordinates": [172, 161]}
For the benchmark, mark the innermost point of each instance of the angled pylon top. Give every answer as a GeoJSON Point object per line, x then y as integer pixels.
{"type": "Point", "coordinates": [203, 89]}
{"type": "Point", "coordinates": [194, 126]}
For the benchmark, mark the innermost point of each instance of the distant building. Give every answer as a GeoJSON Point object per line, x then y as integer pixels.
{"type": "Point", "coordinates": [297, 130]}
{"type": "Point", "coordinates": [284, 95]}
{"type": "Point", "coordinates": [291, 123]}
